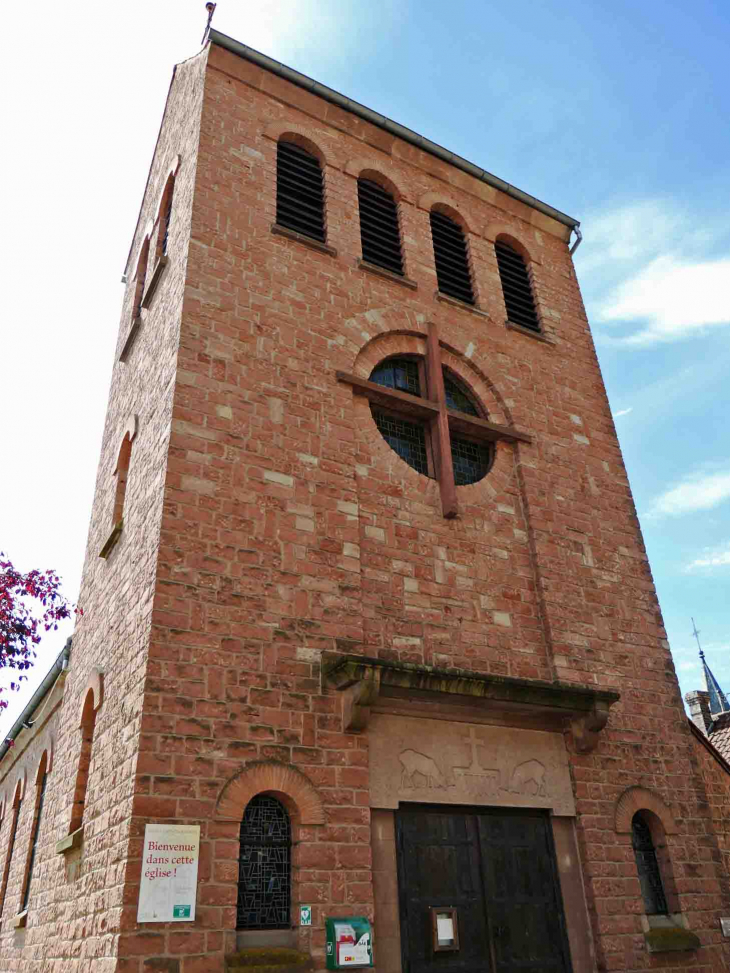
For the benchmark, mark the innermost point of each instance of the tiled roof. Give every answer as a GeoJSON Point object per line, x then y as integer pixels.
{"type": "Point", "coordinates": [719, 735]}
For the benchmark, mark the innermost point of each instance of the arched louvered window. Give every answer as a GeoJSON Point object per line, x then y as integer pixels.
{"type": "Point", "coordinates": [516, 287]}
{"type": "Point", "coordinates": [264, 866]}
{"type": "Point", "coordinates": [452, 259]}
{"type": "Point", "coordinates": [299, 191]}
{"type": "Point", "coordinates": [379, 229]}
{"type": "Point", "coordinates": [411, 438]}
{"type": "Point", "coordinates": [652, 887]}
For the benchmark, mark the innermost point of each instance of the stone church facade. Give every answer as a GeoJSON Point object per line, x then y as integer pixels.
{"type": "Point", "coordinates": [363, 572]}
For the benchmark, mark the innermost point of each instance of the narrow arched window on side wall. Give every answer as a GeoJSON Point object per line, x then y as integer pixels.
{"type": "Point", "coordinates": [17, 804]}
{"type": "Point", "coordinates": [35, 830]}
{"type": "Point", "coordinates": [516, 287]}
{"type": "Point", "coordinates": [88, 726]}
{"type": "Point", "coordinates": [165, 220]}
{"type": "Point", "coordinates": [379, 227]}
{"type": "Point", "coordinates": [451, 258]}
{"type": "Point", "coordinates": [122, 472]}
{"type": "Point", "coordinates": [264, 868]}
{"type": "Point", "coordinates": [140, 278]}
{"type": "Point", "coordinates": [299, 191]}
{"type": "Point", "coordinates": [647, 864]}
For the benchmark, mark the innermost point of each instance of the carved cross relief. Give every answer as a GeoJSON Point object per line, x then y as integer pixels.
{"type": "Point", "coordinates": [442, 420]}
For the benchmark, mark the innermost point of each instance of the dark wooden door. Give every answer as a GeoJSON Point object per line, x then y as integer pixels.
{"type": "Point", "coordinates": [497, 868]}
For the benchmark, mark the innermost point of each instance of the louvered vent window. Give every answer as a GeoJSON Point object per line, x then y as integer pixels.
{"type": "Point", "coordinates": [379, 230]}
{"type": "Point", "coordinates": [299, 191]}
{"type": "Point", "coordinates": [516, 287]}
{"type": "Point", "coordinates": [452, 261]}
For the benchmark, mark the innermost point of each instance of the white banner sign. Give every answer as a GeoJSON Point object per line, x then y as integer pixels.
{"type": "Point", "coordinates": [169, 873]}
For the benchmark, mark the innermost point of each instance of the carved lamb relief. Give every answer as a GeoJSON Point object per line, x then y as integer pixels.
{"type": "Point", "coordinates": [458, 763]}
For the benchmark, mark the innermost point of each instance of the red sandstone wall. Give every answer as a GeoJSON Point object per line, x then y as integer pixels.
{"type": "Point", "coordinates": [74, 925]}
{"type": "Point", "coordinates": [290, 528]}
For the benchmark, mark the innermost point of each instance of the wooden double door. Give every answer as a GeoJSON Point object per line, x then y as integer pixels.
{"type": "Point", "coordinates": [497, 868]}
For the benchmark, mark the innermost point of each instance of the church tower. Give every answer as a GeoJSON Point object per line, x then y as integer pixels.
{"type": "Point", "coordinates": [366, 603]}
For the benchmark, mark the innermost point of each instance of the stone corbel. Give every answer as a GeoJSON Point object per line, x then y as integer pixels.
{"type": "Point", "coordinates": [588, 725]}
{"type": "Point", "coordinates": [357, 700]}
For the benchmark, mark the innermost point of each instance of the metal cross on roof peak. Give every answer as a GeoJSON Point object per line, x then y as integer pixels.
{"type": "Point", "coordinates": [210, 7]}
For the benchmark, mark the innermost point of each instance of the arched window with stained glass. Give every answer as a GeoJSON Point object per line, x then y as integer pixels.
{"type": "Point", "coordinates": [264, 866]}
{"type": "Point", "coordinates": [647, 864]}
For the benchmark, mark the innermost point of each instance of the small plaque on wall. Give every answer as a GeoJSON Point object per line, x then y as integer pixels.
{"type": "Point", "coordinates": [725, 926]}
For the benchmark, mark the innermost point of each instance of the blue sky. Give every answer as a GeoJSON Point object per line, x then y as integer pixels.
{"type": "Point", "coordinates": [615, 113]}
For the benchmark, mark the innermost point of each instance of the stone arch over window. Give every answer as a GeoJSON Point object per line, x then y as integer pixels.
{"type": "Point", "coordinates": [646, 819]}
{"type": "Point", "coordinates": [289, 785]}
{"type": "Point", "coordinates": [635, 799]}
{"type": "Point", "coordinates": [372, 168]}
{"type": "Point", "coordinates": [529, 251]}
{"type": "Point", "coordinates": [448, 206]}
{"type": "Point", "coordinates": [299, 135]}
{"type": "Point", "coordinates": [91, 702]}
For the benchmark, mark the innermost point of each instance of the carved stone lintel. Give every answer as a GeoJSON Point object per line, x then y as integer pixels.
{"type": "Point", "coordinates": [587, 727]}
{"type": "Point", "coordinates": [357, 700]}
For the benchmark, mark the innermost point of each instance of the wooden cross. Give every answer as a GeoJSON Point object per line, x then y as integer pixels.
{"type": "Point", "coordinates": [441, 419]}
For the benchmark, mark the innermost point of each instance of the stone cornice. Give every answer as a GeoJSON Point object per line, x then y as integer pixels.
{"type": "Point", "coordinates": [365, 681]}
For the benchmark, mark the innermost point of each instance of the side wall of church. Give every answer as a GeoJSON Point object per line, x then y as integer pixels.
{"type": "Point", "coordinates": [716, 777]}
{"type": "Point", "coordinates": [74, 924]}
{"type": "Point", "coordinates": [21, 774]}
{"type": "Point", "coordinates": [291, 529]}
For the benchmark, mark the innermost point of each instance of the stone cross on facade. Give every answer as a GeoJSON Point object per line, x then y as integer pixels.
{"type": "Point", "coordinates": [435, 412]}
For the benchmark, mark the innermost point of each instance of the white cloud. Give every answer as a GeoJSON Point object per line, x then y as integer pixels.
{"type": "Point", "coordinates": [622, 412]}
{"type": "Point", "coordinates": [675, 298]}
{"type": "Point", "coordinates": [699, 491]}
{"type": "Point", "coordinates": [718, 557]}
{"type": "Point", "coordinates": [688, 666]}
{"type": "Point", "coordinates": [635, 232]}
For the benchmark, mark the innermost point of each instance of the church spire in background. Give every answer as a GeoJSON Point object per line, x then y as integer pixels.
{"type": "Point", "coordinates": [718, 699]}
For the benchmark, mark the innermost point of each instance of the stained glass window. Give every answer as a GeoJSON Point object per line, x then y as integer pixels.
{"type": "Point", "coordinates": [410, 438]}
{"type": "Point", "coordinates": [652, 889]}
{"type": "Point", "coordinates": [398, 373]}
{"type": "Point", "coordinates": [264, 866]}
